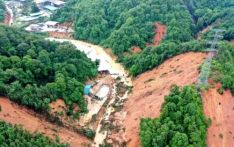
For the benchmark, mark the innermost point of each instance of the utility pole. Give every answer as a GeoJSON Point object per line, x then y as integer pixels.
{"type": "Point", "coordinates": [206, 67]}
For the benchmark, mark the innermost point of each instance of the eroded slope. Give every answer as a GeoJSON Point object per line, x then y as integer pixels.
{"type": "Point", "coordinates": [151, 87]}
{"type": "Point", "coordinates": [220, 109]}
{"type": "Point", "coordinates": [15, 114]}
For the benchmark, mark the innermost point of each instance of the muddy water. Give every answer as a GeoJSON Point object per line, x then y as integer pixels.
{"type": "Point", "coordinates": [95, 52]}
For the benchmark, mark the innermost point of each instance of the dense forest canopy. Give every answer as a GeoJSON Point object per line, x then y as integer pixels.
{"type": "Point", "coordinates": [223, 66]}
{"type": "Point", "coordinates": [123, 24]}
{"type": "Point", "coordinates": [2, 10]}
{"type": "Point", "coordinates": [35, 72]}
{"type": "Point", "coordinates": [15, 136]}
{"type": "Point", "coordinates": [217, 12]}
{"type": "Point", "coordinates": [181, 123]}
{"type": "Point", "coordinates": [120, 25]}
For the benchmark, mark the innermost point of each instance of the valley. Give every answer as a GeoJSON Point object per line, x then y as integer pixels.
{"type": "Point", "coordinates": [118, 73]}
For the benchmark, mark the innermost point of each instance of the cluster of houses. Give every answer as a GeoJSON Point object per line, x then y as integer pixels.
{"type": "Point", "coordinates": [46, 9]}
{"type": "Point", "coordinates": [49, 26]}
{"type": "Point", "coordinates": [50, 5]}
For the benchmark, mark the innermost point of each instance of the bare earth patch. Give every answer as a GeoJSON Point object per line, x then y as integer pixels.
{"type": "Point", "coordinates": [151, 87]}
{"type": "Point", "coordinates": [232, 42]}
{"type": "Point", "coordinates": [159, 33]}
{"type": "Point", "coordinates": [136, 49]}
{"type": "Point", "coordinates": [7, 18]}
{"type": "Point", "coordinates": [60, 35]}
{"type": "Point", "coordinates": [220, 109]}
{"type": "Point", "coordinates": [14, 114]}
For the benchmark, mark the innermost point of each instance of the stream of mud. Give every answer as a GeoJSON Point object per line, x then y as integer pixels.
{"type": "Point", "coordinates": [116, 70]}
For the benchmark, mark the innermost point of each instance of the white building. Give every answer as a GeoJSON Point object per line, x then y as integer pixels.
{"type": "Point", "coordinates": [50, 4]}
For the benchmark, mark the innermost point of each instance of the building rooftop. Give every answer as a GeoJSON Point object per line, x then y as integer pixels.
{"type": "Point", "coordinates": [56, 2]}
{"type": "Point", "coordinates": [28, 18]}
{"type": "Point", "coordinates": [51, 23]}
{"type": "Point", "coordinates": [37, 13]}
{"type": "Point", "coordinates": [51, 8]}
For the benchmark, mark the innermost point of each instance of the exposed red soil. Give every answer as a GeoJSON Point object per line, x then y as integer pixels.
{"type": "Point", "coordinates": [136, 49]}
{"type": "Point", "coordinates": [150, 88]}
{"type": "Point", "coordinates": [67, 24]}
{"type": "Point", "coordinates": [57, 106]}
{"type": "Point", "coordinates": [220, 108]}
{"type": "Point", "coordinates": [205, 30]}
{"type": "Point", "coordinates": [14, 114]}
{"type": "Point", "coordinates": [160, 31]}
{"type": "Point", "coordinates": [61, 35]}
{"type": "Point", "coordinates": [232, 42]}
{"type": "Point", "coordinates": [7, 18]}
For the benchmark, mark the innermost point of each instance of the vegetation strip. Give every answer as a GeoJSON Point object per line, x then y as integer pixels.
{"type": "Point", "coordinates": [181, 123]}
{"type": "Point", "coordinates": [2, 11]}
{"type": "Point", "coordinates": [16, 136]}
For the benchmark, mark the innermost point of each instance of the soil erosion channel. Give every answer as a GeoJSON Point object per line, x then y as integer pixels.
{"type": "Point", "coordinates": [220, 109]}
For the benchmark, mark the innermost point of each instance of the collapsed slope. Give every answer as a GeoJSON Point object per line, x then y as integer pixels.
{"type": "Point", "coordinates": [150, 88]}
{"type": "Point", "coordinates": [220, 109]}
{"type": "Point", "coordinates": [15, 114]}
{"type": "Point", "coordinates": [121, 25]}
{"type": "Point", "coordinates": [35, 72]}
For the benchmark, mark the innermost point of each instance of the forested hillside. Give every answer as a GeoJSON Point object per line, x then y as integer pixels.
{"type": "Point", "coordinates": [121, 24]}
{"type": "Point", "coordinates": [207, 12]}
{"type": "Point", "coordinates": [2, 11]}
{"type": "Point", "coordinates": [12, 136]}
{"type": "Point", "coordinates": [181, 123]}
{"type": "Point", "coordinates": [34, 72]}
{"type": "Point", "coordinates": [223, 66]}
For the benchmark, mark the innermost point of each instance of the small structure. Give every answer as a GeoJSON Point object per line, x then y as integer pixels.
{"type": "Point", "coordinates": [51, 24]}
{"type": "Point", "coordinates": [87, 89]}
{"type": "Point", "coordinates": [50, 8]}
{"type": "Point", "coordinates": [28, 18]}
{"type": "Point", "coordinates": [50, 4]}
{"type": "Point", "coordinates": [102, 92]}
{"type": "Point", "coordinates": [57, 3]}
{"type": "Point", "coordinates": [37, 14]}
{"type": "Point", "coordinates": [34, 27]}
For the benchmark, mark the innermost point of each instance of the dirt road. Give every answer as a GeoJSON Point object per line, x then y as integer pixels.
{"type": "Point", "coordinates": [151, 87]}
{"type": "Point", "coordinates": [14, 114]}
{"type": "Point", "coordinates": [220, 108]}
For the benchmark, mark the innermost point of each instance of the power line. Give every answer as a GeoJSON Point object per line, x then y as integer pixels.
{"type": "Point", "coordinates": [206, 67]}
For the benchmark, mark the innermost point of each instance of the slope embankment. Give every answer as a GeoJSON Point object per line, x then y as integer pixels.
{"type": "Point", "coordinates": [15, 114]}
{"type": "Point", "coordinates": [150, 88]}
{"type": "Point", "coordinates": [220, 109]}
